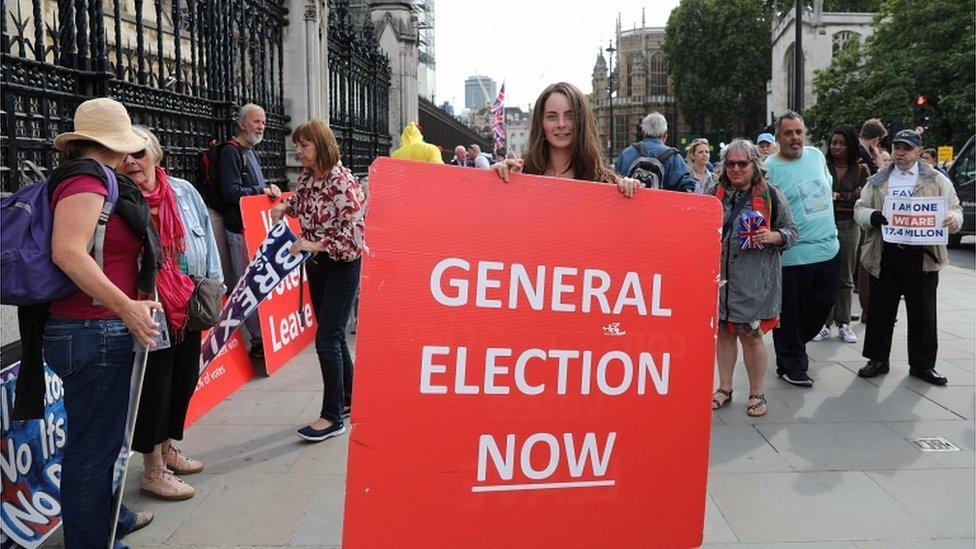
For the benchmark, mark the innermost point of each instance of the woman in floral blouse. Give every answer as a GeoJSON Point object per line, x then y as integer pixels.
{"type": "Point", "coordinates": [329, 204]}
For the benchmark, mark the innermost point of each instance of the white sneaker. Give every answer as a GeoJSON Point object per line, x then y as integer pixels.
{"type": "Point", "coordinates": [847, 334]}
{"type": "Point", "coordinates": [824, 334]}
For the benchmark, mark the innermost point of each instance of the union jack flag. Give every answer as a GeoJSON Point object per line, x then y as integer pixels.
{"type": "Point", "coordinates": [750, 223]}
{"type": "Point", "coordinates": [498, 125]}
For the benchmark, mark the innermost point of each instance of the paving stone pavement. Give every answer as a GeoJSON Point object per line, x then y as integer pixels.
{"type": "Point", "coordinates": [827, 468]}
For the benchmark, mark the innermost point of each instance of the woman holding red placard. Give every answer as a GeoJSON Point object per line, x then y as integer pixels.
{"type": "Point", "coordinates": [563, 142]}
{"type": "Point", "coordinates": [757, 226]}
{"type": "Point", "coordinates": [329, 204]}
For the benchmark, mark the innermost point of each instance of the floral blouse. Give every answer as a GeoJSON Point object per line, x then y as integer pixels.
{"type": "Point", "coordinates": [330, 211]}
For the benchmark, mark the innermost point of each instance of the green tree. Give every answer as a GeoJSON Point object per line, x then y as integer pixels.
{"type": "Point", "coordinates": [918, 48]}
{"type": "Point", "coordinates": [718, 57]}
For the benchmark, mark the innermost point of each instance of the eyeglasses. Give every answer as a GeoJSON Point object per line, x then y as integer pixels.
{"type": "Point", "coordinates": [738, 164]}
{"type": "Point", "coordinates": [699, 140]}
{"type": "Point", "coordinates": [138, 155]}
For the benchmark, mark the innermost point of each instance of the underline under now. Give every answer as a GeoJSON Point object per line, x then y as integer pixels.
{"type": "Point", "coordinates": [542, 486]}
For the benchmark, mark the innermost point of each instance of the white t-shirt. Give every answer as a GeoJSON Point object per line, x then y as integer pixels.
{"type": "Point", "coordinates": [902, 183]}
{"type": "Point", "coordinates": [481, 161]}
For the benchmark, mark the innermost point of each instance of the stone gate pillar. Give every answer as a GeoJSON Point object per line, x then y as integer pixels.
{"type": "Point", "coordinates": [306, 71]}
{"type": "Point", "coordinates": [396, 31]}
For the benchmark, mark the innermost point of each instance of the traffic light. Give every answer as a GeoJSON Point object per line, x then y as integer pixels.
{"type": "Point", "coordinates": [921, 113]}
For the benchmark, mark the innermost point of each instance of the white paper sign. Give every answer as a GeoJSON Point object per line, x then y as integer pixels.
{"type": "Point", "coordinates": [915, 220]}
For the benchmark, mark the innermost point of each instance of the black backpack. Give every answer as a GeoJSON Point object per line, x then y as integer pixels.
{"type": "Point", "coordinates": [208, 178]}
{"type": "Point", "coordinates": [649, 169]}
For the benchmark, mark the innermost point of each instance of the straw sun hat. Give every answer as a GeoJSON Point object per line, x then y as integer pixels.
{"type": "Point", "coordinates": [104, 121]}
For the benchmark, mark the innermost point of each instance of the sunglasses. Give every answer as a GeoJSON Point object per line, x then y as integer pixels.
{"type": "Point", "coordinates": [739, 164]}
{"type": "Point", "coordinates": [138, 155]}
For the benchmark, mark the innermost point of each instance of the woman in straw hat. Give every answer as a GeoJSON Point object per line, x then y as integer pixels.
{"type": "Point", "coordinates": [189, 249]}
{"type": "Point", "coordinates": [88, 338]}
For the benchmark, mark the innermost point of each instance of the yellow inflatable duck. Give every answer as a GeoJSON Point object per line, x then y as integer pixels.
{"type": "Point", "coordinates": [413, 147]}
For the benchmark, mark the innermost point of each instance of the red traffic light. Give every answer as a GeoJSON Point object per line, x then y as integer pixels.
{"type": "Point", "coordinates": [921, 100]}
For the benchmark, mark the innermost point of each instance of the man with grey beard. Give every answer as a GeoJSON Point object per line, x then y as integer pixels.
{"type": "Point", "coordinates": [239, 174]}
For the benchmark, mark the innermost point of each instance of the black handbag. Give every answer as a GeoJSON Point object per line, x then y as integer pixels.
{"type": "Point", "coordinates": [204, 305]}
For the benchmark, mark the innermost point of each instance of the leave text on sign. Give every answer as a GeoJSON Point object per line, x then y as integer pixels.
{"type": "Point", "coordinates": [287, 329]}
{"type": "Point", "coordinates": [596, 287]}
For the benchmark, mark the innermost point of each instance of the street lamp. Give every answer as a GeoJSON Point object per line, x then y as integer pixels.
{"type": "Point", "coordinates": [798, 76]}
{"type": "Point", "coordinates": [610, 51]}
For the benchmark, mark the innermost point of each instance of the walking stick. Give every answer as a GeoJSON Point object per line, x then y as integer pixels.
{"type": "Point", "coordinates": [122, 463]}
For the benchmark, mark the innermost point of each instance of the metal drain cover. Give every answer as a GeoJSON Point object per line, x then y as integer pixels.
{"type": "Point", "coordinates": [933, 444]}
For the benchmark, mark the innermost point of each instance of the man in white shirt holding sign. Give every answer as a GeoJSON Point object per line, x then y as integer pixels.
{"type": "Point", "coordinates": [900, 269]}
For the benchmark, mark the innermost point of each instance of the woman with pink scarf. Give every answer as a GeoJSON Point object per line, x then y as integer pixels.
{"type": "Point", "coordinates": [188, 248]}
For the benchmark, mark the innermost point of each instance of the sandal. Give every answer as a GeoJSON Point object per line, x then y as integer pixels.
{"type": "Point", "coordinates": [758, 409]}
{"type": "Point", "coordinates": [720, 398]}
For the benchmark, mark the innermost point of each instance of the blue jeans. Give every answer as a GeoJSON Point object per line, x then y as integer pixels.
{"type": "Point", "coordinates": [93, 358]}
{"type": "Point", "coordinates": [332, 287]}
{"type": "Point", "coordinates": [127, 521]}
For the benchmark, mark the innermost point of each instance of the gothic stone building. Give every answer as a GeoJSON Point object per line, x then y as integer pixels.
{"type": "Point", "coordinates": [824, 34]}
{"type": "Point", "coordinates": [641, 85]}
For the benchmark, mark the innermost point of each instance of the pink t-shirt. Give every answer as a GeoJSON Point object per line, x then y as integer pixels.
{"type": "Point", "coordinates": [122, 248]}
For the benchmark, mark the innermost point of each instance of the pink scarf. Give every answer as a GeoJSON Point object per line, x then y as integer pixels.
{"type": "Point", "coordinates": [175, 288]}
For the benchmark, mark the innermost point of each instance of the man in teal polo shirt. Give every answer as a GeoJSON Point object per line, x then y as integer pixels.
{"type": "Point", "coordinates": [811, 266]}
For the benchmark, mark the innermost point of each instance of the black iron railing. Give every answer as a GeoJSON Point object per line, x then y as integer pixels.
{"type": "Point", "coordinates": [181, 67]}
{"type": "Point", "coordinates": [446, 132]}
{"type": "Point", "coordinates": [359, 84]}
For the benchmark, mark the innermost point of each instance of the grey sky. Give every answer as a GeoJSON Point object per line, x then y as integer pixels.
{"type": "Point", "coordinates": [528, 43]}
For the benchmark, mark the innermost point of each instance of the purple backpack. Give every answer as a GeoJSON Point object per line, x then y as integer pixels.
{"type": "Point", "coordinates": [27, 274]}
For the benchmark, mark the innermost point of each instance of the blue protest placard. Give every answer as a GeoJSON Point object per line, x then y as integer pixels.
{"type": "Point", "coordinates": [30, 464]}
{"type": "Point", "coordinates": [269, 267]}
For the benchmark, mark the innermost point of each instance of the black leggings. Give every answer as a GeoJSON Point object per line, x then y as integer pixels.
{"type": "Point", "coordinates": [171, 378]}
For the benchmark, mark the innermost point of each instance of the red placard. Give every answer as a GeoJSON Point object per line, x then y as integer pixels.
{"type": "Point", "coordinates": [227, 373]}
{"type": "Point", "coordinates": [285, 328]}
{"type": "Point", "coordinates": [534, 363]}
